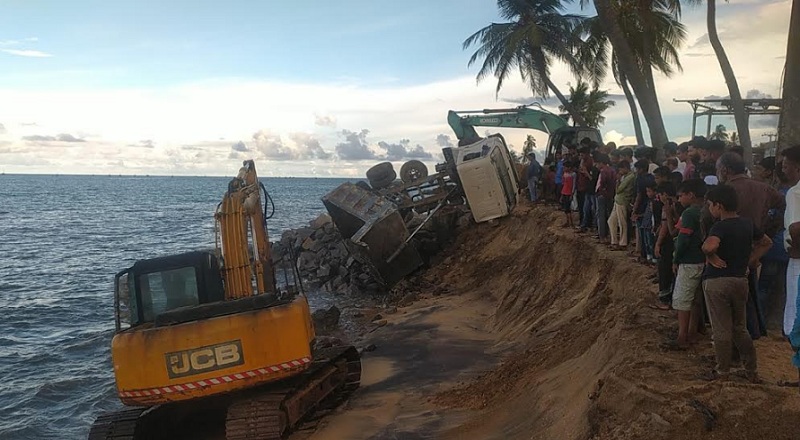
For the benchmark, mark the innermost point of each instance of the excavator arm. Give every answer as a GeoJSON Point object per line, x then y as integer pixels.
{"type": "Point", "coordinates": [241, 226]}
{"type": "Point", "coordinates": [463, 123]}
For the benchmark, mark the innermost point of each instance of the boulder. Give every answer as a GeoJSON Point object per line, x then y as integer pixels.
{"type": "Point", "coordinates": [324, 271]}
{"type": "Point", "coordinates": [326, 342]}
{"type": "Point", "coordinates": [317, 245]}
{"type": "Point", "coordinates": [320, 221]}
{"type": "Point", "coordinates": [326, 319]}
{"type": "Point", "coordinates": [308, 244]}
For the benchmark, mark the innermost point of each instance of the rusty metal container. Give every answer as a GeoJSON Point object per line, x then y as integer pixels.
{"type": "Point", "coordinates": [377, 235]}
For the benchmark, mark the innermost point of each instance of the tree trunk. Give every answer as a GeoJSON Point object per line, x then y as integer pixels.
{"type": "Point", "coordinates": [576, 117]}
{"type": "Point", "coordinates": [789, 127]}
{"type": "Point", "coordinates": [739, 113]}
{"type": "Point", "coordinates": [637, 124]}
{"type": "Point", "coordinates": [645, 94]}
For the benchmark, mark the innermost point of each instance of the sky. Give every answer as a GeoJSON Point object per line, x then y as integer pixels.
{"type": "Point", "coordinates": [307, 89]}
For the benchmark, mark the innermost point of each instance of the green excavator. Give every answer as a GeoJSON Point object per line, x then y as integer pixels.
{"type": "Point", "coordinates": [464, 122]}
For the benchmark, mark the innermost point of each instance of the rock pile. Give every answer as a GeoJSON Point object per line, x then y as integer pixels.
{"type": "Point", "coordinates": [325, 263]}
{"type": "Point", "coordinates": [323, 259]}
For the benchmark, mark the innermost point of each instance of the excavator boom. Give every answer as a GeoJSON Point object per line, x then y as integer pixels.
{"type": "Point", "coordinates": [463, 123]}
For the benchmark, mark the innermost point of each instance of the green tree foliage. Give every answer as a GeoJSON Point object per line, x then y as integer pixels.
{"type": "Point", "coordinates": [590, 104]}
{"type": "Point", "coordinates": [534, 35]}
{"type": "Point", "coordinates": [720, 133]}
{"type": "Point", "coordinates": [528, 147]}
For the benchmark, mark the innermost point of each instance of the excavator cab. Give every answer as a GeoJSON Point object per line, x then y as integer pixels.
{"type": "Point", "coordinates": [154, 287]}
{"type": "Point", "coordinates": [570, 136]}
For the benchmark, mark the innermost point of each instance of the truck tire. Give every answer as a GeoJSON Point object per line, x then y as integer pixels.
{"type": "Point", "coordinates": [385, 182]}
{"type": "Point", "coordinates": [413, 170]}
{"type": "Point", "coordinates": [381, 172]}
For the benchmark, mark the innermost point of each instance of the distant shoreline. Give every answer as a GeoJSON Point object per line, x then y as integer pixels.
{"type": "Point", "coordinates": [171, 176]}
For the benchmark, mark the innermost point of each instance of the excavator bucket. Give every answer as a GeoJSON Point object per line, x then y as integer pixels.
{"type": "Point", "coordinates": [377, 234]}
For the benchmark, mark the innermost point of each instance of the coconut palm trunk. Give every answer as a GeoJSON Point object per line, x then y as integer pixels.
{"type": "Point", "coordinates": [739, 113]}
{"type": "Point", "coordinates": [637, 124]}
{"type": "Point", "coordinates": [645, 94]}
{"type": "Point", "coordinates": [789, 127]}
{"type": "Point", "coordinates": [576, 116]}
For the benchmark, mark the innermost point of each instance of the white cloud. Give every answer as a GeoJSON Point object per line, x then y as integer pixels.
{"type": "Point", "coordinates": [27, 53]}
{"type": "Point", "coordinates": [191, 128]}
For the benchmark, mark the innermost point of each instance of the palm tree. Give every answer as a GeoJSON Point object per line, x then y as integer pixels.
{"type": "Point", "coordinates": [720, 133]}
{"type": "Point", "coordinates": [739, 113]}
{"type": "Point", "coordinates": [590, 104]}
{"type": "Point", "coordinates": [789, 127]}
{"type": "Point", "coordinates": [734, 140]}
{"type": "Point", "coordinates": [658, 27]}
{"type": "Point", "coordinates": [629, 52]}
{"type": "Point", "coordinates": [528, 146]}
{"type": "Point", "coordinates": [537, 34]}
{"type": "Point", "coordinates": [623, 82]}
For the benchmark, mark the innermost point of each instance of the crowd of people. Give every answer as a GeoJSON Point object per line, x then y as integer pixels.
{"type": "Point", "coordinates": [723, 239]}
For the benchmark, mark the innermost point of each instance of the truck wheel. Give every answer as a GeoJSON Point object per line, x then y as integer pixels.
{"type": "Point", "coordinates": [380, 172]}
{"type": "Point", "coordinates": [413, 170]}
{"type": "Point", "coordinates": [383, 182]}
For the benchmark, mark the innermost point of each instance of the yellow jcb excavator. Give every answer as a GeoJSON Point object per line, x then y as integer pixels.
{"type": "Point", "coordinates": [209, 345]}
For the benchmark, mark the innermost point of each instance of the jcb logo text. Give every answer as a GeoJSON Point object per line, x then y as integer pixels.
{"type": "Point", "coordinates": [204, 359]}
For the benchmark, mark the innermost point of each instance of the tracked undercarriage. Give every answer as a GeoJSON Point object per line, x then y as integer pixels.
{"type": "Point", "coordinates": [268, 412]}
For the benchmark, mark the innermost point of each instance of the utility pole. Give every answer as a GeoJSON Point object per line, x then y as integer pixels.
{"type": "Point", "coordinates": [771, 136]}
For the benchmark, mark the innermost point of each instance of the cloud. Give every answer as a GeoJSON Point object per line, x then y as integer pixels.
{"type": "Point", "coordinates": [271, 146]}
{"type": "Point", "coordinates": [700, 42]}
{"type": "Point", "coordinates": [27, 53]}
{"type": "Point", "coordinates": [355, 146]}
{"type": "Point", "coordinates": [764, 121]}
{"type": "Point", "coordinates": [239, 146]}
{"type": "Point", "coordinates": [18, 42]}
{"type": "Point", "coordinates": [324, 120]}
{"type": "Point", "coordinates": [764, 20]}
{"type": "Point", "coordinates": [618, 138]}
{"type": "Point", "coordinates": [309, 146]}
{"type": "Point", "coordinates": [401, 151]}
{"type": "Point", "coordinates": [66, 137]}
{"type": "Point", "coordinates": [757, 94]}
{"type": "Point", "coordinates": [63, 137]}
{"type": "Point", "coordinates": [147, 143]}
{"type": "Point", "coordinates": [444, 140]}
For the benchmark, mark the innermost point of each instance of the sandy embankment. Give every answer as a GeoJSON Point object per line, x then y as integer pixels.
{"type": "Point", "coordinates": [523, 330]}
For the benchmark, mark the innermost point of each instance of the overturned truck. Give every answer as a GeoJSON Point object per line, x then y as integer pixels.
{"type": "Point", "coordinates": [379, 220]}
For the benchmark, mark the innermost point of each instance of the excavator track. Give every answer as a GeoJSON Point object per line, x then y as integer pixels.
{"type": "Point", "coordinates": [332, 377]}
{"type": "Point", "coordinates": [119, 425]}
{"type": "Point", "coordinates": [267, 413]}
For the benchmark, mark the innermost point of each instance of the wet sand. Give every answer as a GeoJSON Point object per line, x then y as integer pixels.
{"type": "Point", "coordinates": [424, 349]}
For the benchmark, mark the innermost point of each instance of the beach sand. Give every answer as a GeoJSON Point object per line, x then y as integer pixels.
{"type": "Point", "coordinates": [524, 330]}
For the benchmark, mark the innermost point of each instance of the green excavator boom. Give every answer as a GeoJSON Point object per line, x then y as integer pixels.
{"type": "Point", "coordinates": [463, 123]}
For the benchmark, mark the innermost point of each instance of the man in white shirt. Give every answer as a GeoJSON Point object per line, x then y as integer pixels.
{"type": "Point", "coordinates": [791, 221]}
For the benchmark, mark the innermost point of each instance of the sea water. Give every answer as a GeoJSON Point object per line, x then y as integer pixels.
{"type": "Point", "coordinates": [62, 240]}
